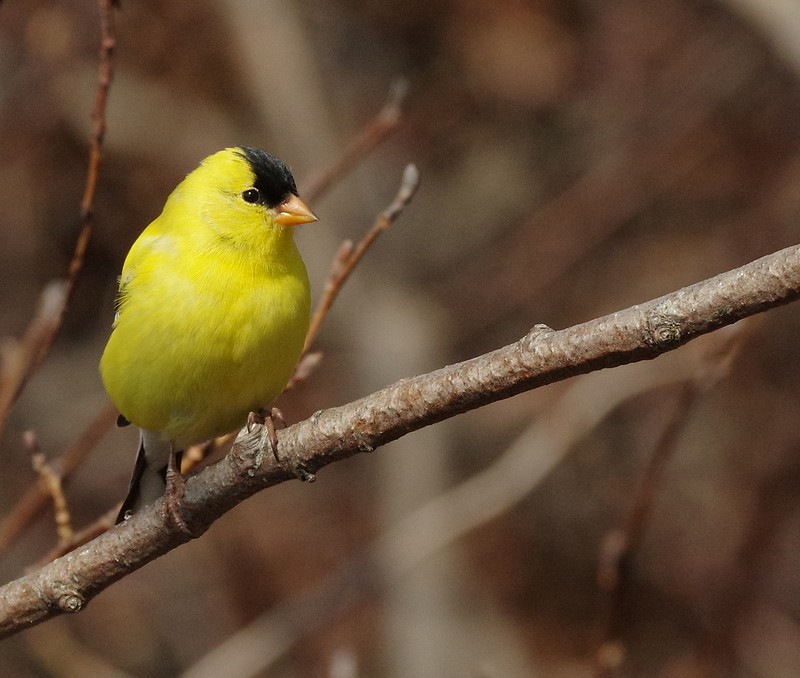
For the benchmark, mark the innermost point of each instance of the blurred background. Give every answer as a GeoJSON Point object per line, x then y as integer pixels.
{"type": "Point", "coordinates": [576, 158]}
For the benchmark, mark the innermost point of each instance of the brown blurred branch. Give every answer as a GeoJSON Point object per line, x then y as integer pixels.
{"type": "Point", "coordinates": [36, 498]}
{"type": "Point", "coordinates": [53, 482]}
{"type": "Point", "coordinates": [381, 126]}
{"type": "Point", "coordinates": [622, 183]}
{"type": "Point", "coordinates": [541, 357]}
{"type": "Point", "coordinates": [11, 388]}
{"type": "Point", "coordinates": [774, 505]}
{"type": "Point", "coordinates": [621, 545]}
{"type": "Point", "coordinates": [18, 357]}
{"type": "Point", "coordinates": [347, 258]}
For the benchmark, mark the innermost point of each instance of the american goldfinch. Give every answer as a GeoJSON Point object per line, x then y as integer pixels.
{"type": "Point", "coordinates": [212, 311]}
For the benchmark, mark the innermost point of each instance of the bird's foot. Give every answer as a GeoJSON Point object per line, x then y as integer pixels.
{"type": "Point", "coordinates": [173, 497]}
{"type": "Point", "coordinates": [256, 418]}
{"type": "Point", "coordinates": [268, 419]}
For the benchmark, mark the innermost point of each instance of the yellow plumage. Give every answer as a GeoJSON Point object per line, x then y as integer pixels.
{"type": "Point", "coordinates": [213, 303]}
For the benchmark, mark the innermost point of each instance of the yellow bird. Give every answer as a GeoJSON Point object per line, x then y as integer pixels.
{"type": "Point", "coordinates": [212, 312]}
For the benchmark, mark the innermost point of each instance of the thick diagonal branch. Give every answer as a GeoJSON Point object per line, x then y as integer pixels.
{"type": "Point", "coordinates": [541, 357]}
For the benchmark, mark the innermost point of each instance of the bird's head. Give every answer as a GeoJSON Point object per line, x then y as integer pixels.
{"type": "Point", "coordinates": [242, 189]}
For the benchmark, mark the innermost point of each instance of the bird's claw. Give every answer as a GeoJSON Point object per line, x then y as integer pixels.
{"type": "Point", "coordinates": [268, 419]}
{"type": "Point", "coordinates": [173, 497]}
{"type": "Point", "coordinates": [255, 419]}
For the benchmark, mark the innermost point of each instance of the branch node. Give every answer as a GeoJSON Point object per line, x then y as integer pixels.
{"type": "Point", "coordinates": [364, 445]}
{"type": "Point", "coordinates": [539, 330]}
{"type": "Point", "coordinates": [302, 473]}
{"type": "Point", "coordinates": [408, 187]}
{"type": "Point", "coordinates": [662, 331]}
{"type": "Point", "coordinates": [70, 602]}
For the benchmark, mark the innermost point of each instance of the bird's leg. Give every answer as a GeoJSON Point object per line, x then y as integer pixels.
{"type": "Point", "coordinates": [174, 493]}
{"type": "Point", "coordinates": [256, 418]}
{"type": "Point", "coordinates": [275, 415]}
{"type": "Point", "coordinates": [268, 419]}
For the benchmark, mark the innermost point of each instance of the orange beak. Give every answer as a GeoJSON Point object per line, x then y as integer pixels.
{"type": "Point", "coordinates": [294, 211]}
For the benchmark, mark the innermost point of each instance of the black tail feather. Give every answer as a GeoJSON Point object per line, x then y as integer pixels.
{"type": "Point", "coordinates": [148, 480]}
{"type": "Point", "coordinates": [134, 489]}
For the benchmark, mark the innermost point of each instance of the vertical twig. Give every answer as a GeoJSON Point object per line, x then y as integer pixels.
{"type": "Point", "coordinates": [347, 257]}
{"type": "Point", "coordinates": [381, 126]}
{"type": "Point", "coordinates": [106, 73]}
{"type": "Point", "coordinates": [34, 500]}
{"type": "Point", "coordinates": [52, 480]}
{"type": "Point", "coordinates": [18, 357]}
{"type": "Point", "coordinates": [621, 545]}
{"type": "Point", "coordinates": [108, 43]}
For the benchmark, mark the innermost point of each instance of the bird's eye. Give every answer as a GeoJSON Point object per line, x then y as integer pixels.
{"type": "Point", "coordinates": [251, 195]}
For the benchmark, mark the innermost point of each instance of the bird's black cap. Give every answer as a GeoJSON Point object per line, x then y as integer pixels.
{"type": "Point", "coordinates": [273, 178]}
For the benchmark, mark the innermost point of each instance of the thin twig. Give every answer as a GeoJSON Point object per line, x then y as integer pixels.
{"type": "Point", "coordinates": [108, 43]}
{"type": "Point", "coordinates": [543, 356]}
{"type": "Point", "coordinates": [18, 357]}
{"type": "Point", "coordinates": [106, 73]}
{"type": "Point", "coordinates": [35, 499]}
{"type": "Point", "coordinates": [621, 545]}
{"type": "Point", "coordinates": [625, 182]}
{"type": "Point", "coordinates": [53, 482]}
{"type": "Point", "coordinates": [381, 126]}
{"type": "Point", "coordinates": [347, 258]}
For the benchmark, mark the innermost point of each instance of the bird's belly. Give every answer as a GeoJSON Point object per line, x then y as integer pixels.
{"type": "Point", "coordinates": [172, 371]}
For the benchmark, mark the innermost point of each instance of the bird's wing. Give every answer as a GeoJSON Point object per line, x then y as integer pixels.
{"type": "Point", "coordinates": [150, 242]}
